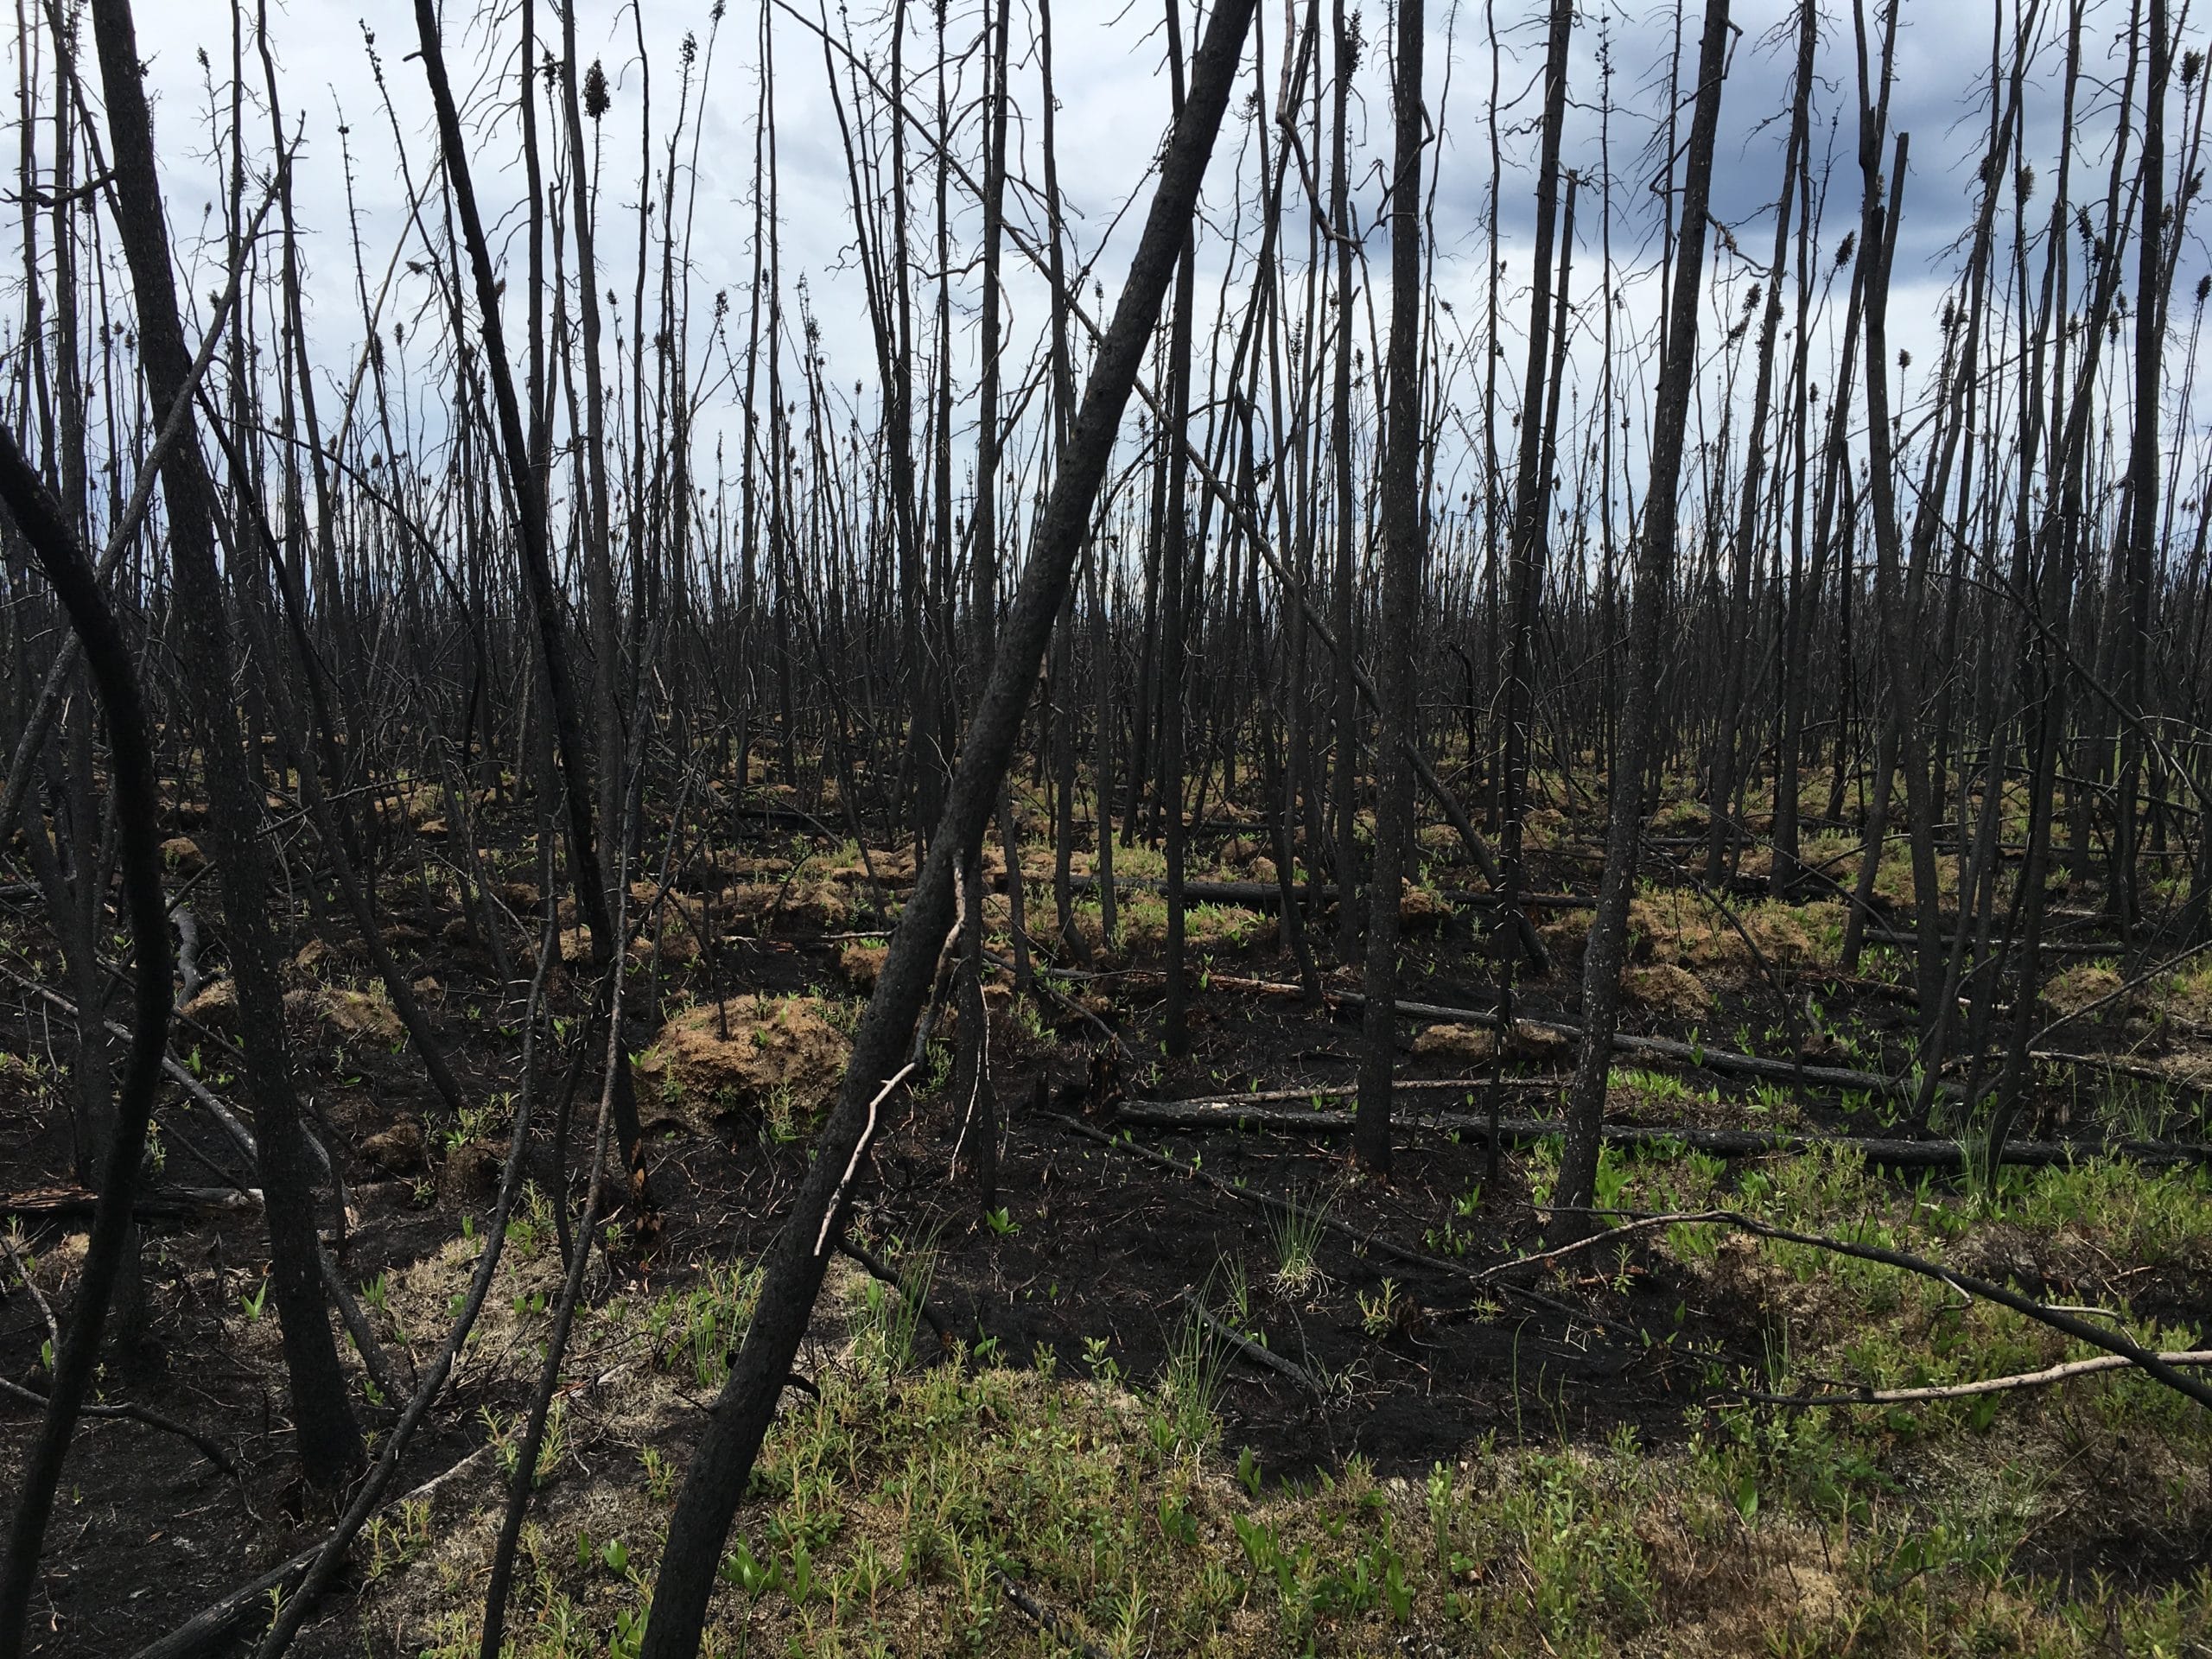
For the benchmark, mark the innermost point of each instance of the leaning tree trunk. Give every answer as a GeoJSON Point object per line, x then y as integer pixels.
{"type": "Point", "coordinates": [51, 538]}
{"type": "Point", "coordinates": [329, 1438]}
{"type": "Point", "coordinates": [720, 1470]}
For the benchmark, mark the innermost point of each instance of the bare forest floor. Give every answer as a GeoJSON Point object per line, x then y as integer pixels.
{"type": "Point", "coordinates": [1098, 1456]}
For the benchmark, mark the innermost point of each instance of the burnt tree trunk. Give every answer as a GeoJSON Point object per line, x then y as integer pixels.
{"type": "Point", "coordinates": [1654, 572]}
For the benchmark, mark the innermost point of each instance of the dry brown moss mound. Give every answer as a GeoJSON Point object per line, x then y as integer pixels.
{"type": "Point", "coordinates": [350, 1013]}
{"type": "Point", "coordinates": [1458, 1042]}
{"type": "Point", "coordinates": [1682, 929]}
{"type": "Point", "coordinates": [807, 896]}
{"type": "Point", "coordinates": [862, 962]}
{"type": "Point", "coordinates": [2080, 986]}
{"type": "Point", "coordinates": [1665, 989]}
{"type": "Point", "coordinates": [781, 1051]}
{"type": "Point", "coordinates": [215, 1006]}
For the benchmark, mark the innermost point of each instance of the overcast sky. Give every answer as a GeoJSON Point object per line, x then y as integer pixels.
{"type": "Point", "coordinates": [1114, 110]}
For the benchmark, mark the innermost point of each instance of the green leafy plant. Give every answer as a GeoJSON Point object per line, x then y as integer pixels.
{"type": "Point", "coordinates": [1379, 1314]}
{"type": "Point", "coordinates": [747, 1572]}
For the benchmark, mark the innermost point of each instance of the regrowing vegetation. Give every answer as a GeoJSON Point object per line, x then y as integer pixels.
{"type": "Point", "coordinates": [1243, 831]}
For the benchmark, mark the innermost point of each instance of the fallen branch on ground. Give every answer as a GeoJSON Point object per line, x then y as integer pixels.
{"type": "Point", "coordinates": [207, 1448]}
{"type": "Point", "coordinates": [1708, 1059]}
{"type": "Point", "coordinates": [1346, 1090]}
{"type": "Point", "coordinates": [1271, 894]}
{"type": "Point", "coordinates": [214, 1628]}
{"type": "Point", "coordinates": [1232, 1113]}
{"type": "Point", "coordinates": [1372, 1242]}
{"type": "Point", "coordinates": [1053, 1624]}
{"type": "Point", "coordinates": [878, 1269]}
{"type": "Point", "coordinates": [1258, 1352]}
{"type": "Point", "coordinates": [1966, 1284]}
{"type": "Point", "coordinates": [2041, 1379]}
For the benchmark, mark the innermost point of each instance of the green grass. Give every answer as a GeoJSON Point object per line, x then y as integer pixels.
{"type": "Point", "coordinates": [888, 1515]}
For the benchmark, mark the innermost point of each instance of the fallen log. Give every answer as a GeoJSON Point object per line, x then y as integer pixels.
{"type": "Point", "coordinates": [1699, 1056]}
{"type": "Point", "coordinates": [165, 1203]}
{"type": "Point", "coordinates": [1209, 891]}
{"type": "Point", "coordinates": [213, 1629]}
{"type": "Point", "coordinates": [1345, 1091]}
{"type": "Point", "coordinates": [1709, 1059]}
{"type": "Point", "coordinates": [1369, 1244]}
{"type": "Point", "coordinates": [1211, 1116]}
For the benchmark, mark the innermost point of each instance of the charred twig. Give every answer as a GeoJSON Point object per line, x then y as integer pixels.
{"type": "Point", "coordinates": [38, 1296]}
{"type": "Point", "coordinates": [878, 1269]}
{"type": "Point", "coordinates": [207, 1448]}
{"type": "Point", "coordinates": [1053, 1624]}
{"type": "Point", "coordinates": [1258, 1352]}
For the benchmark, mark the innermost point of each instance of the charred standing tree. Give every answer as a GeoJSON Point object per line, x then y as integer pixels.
{"type": "Point", "coordinates": [1895, 588]}
{"type": "Point", "coordinates": [1607, 949]}
{"type": "Point", "coordinates": [1724, 835]}
{"type": "Point", "coordinates": [1175, 585]}
{"type": "Point", "coordinates": [1788, 669]}
{"type": "Point", "coordinates": [599, 569]}
{"type": "Point", "coordinates": [1343, 510]}
{"type": "Point", "coordinates": [53, 539]}
{"type": "Point", "coordinates": [329, 1441]}
{"type": "Point", "coordinates": [2144, 476]}
{"type": "Point", "coordinates": [972, 1069]}
{"type": "Point", "coordinates": [530, 506]}
{"type": "Point", "coordinates": [1527, 550]}
{"type": "Point", "coordinates": [1404, 554]}
{"type": "Point", "coordinates": [715, 1482]}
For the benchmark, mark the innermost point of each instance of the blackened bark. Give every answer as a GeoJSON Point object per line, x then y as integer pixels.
{"type": "Point", "coordinates": [53, 540]}
{"type": "Point", "coordinates": [1722, 837]}
{"type": "Point", "coordinates": [2143, 471]}
{"type": "Point", "coordinates": [1526, 551]}
{"type": "Point", "coordinates": [1404, 553]}
{"type": "Point", "coordinates": [329, 1441]}
{"type": "Point", "coordinates": [1655, 571]}
{"type": "Point", "coordinates": [717, 1480]}
{"type": "Point", "coordinates": [1174, 585]}
{"type": "Point", "coordinates": [537, 572]}
{"type": "Point", "coordinates": [1344, 513]}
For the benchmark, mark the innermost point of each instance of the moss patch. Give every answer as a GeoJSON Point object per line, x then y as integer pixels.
{"type": "Point", "coordinates": [778, 1052]}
